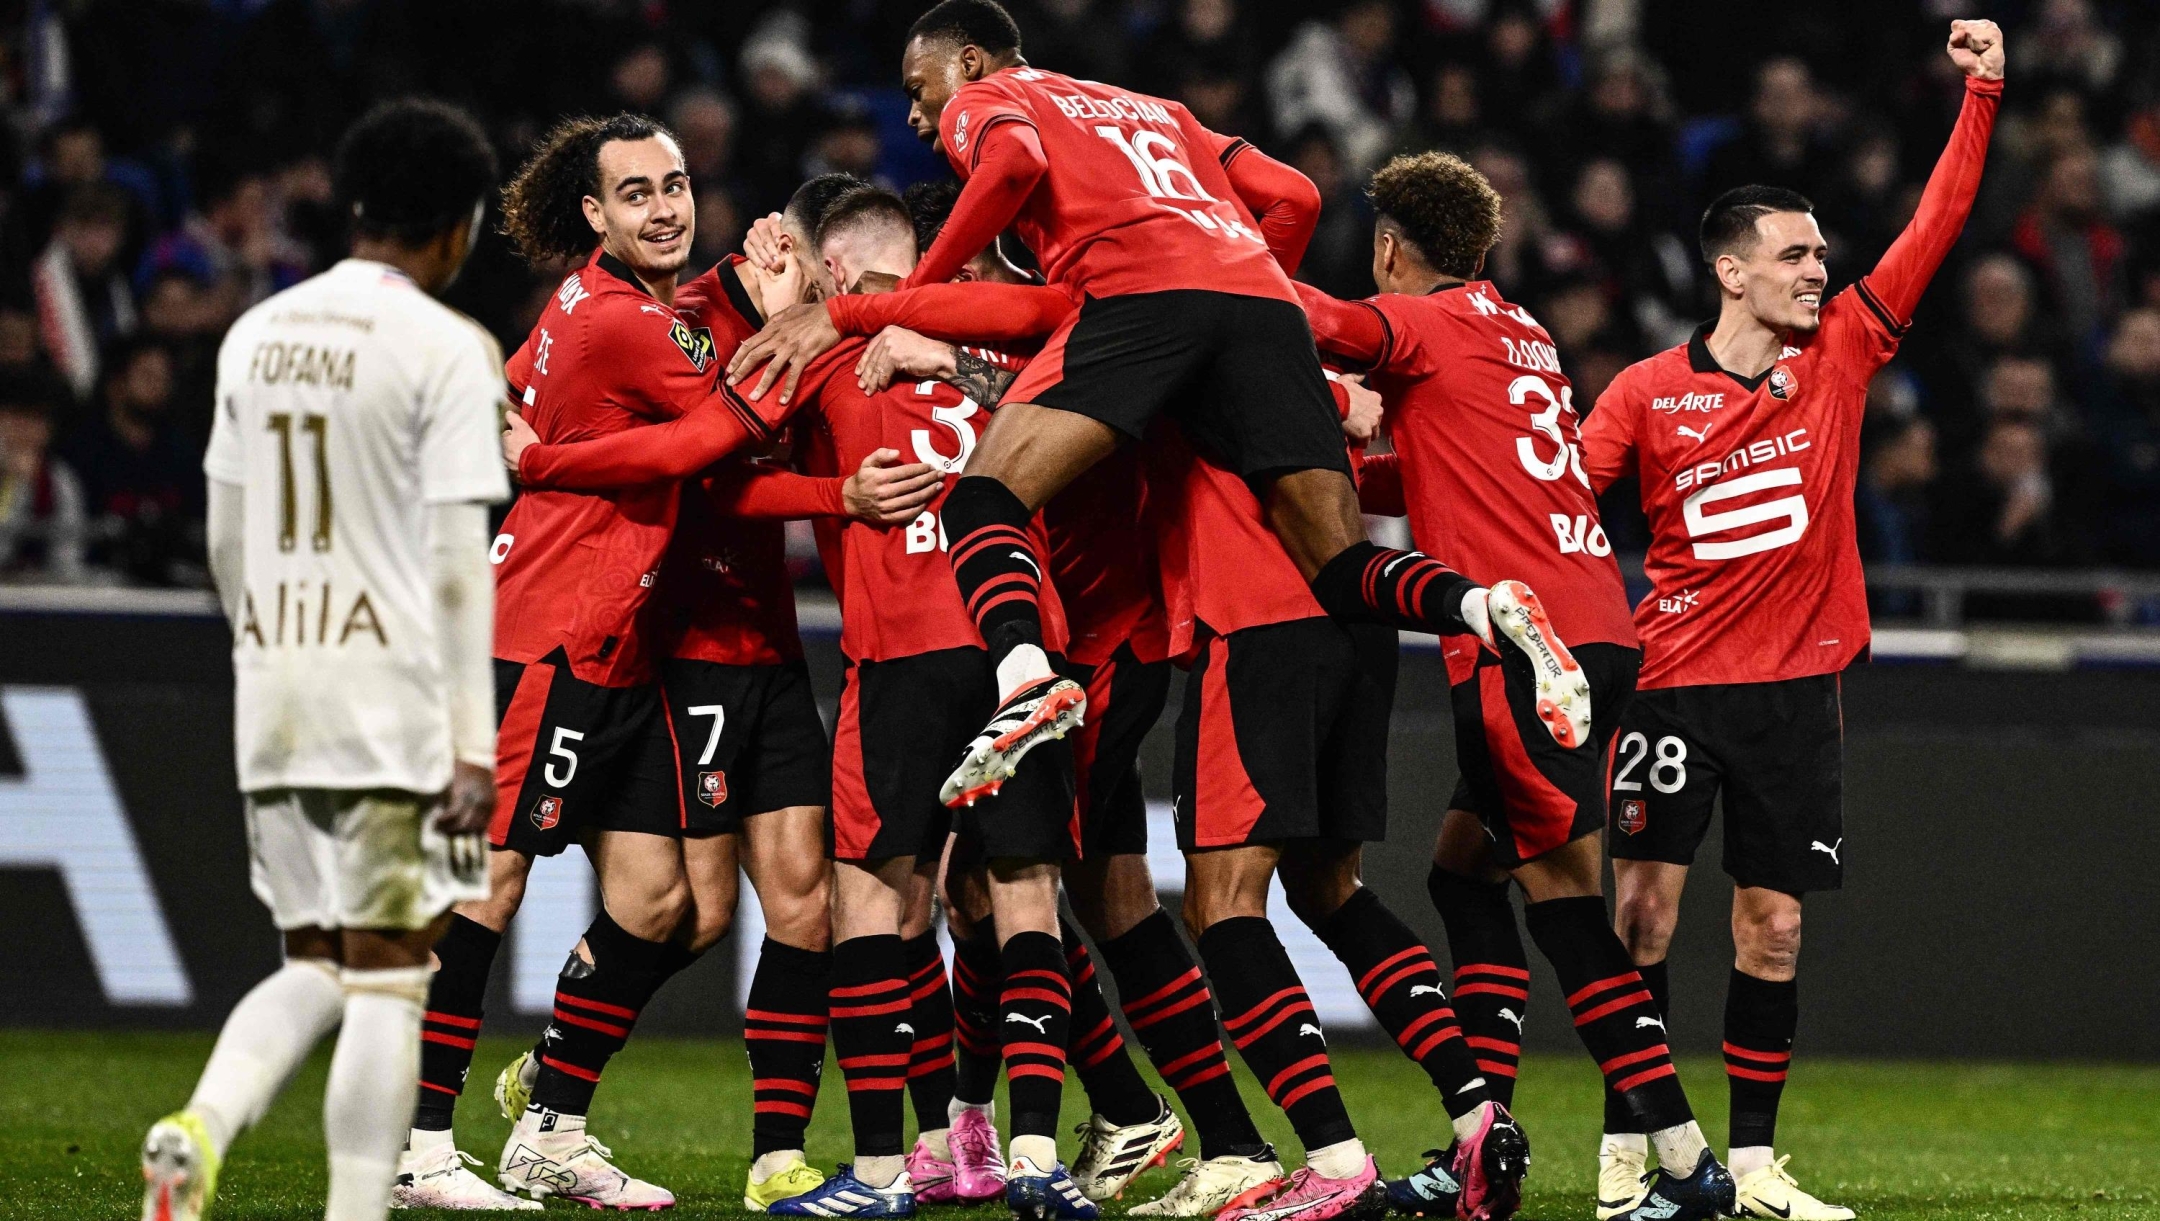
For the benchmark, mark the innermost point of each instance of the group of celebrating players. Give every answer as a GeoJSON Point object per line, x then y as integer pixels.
{"type": "Point", "coordinates": [1034, 495]}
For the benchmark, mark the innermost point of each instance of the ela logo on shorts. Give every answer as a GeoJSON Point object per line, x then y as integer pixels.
{"type": "Point", "coordinates": [712, 788]}
{"type": "Point", "coordinates": [1633, 818]}
{"type": "Point", "coordinates": [547, 811]}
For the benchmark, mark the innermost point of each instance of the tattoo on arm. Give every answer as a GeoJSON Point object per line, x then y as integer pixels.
{"type": "Point", "coordinates": [978, 378]}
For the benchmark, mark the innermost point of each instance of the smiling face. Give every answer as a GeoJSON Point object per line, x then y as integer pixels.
{"type": "Point", "coordinates": [643, 212]}
{"type": "Point", "coordinates": [1780, 278]}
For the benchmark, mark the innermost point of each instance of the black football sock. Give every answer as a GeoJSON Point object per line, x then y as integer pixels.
{"type": "Point", "coordinates": [1492, 973]}
{"type": "Point", "coordinates": [451, 1024]}
{"type": "Point", "coordinates": [978, 974]}
{"type": "Point", "coordinates": [1168, 1006]}
{"type": "Point", "coordinates": [1761, 1016]}
{"type": "Point", "coordinates": [1115, 1089]}
{"type": "Point", "coordinates": [1400, 982]}
{"type": "Point", "coordinates": [994, 561]}
{"type": "Point", "coordinates": [869, 1015]}
{"type": "Point", "coordinates": [596, 1005]}
{"type": "Point", "coordinates": [1036, 1007]}
{"type": "Point", "coordinates": [930, 1012]}
{"type": "Point", "coordinates": [1614, 1013]}
{"type": "Point", "coordinates": [784, 1032]}
{"type": "Point", "coordinates": [1618, 1116]}
{"type": "Point", "coordinates": [1267, 1015]}
{"type": "Point", "coordinates": [1366, 583]}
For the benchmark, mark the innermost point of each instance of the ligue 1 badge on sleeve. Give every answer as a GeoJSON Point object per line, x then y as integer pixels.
{"type": "Point", "coordinates": [1783, 383]}
{"type": "Point", "coordinates": [1632, 816]}
{"type": "Point", "coordinates": [547, 811]}
{"type": "Point", "coordinates": [712, 788]}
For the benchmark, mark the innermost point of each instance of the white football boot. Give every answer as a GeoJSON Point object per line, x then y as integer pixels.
{"type": "Point", "coordinates": [1219, 1183]}
{"type": "Point", "coordinates": [1111, 1157]}
{"type": "Point", "coordinates": [438, 1177]}
{"type": "Point", "coordinates": [551, 1154]}
{"type": "Point", "coordinates": [1621, 1171]}
{"type": "Point", "coordinates": [1771, 1192]}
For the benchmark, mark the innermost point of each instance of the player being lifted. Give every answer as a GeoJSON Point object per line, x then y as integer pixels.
{"type": "Point", "coordinates": [1130, 204]}
{"type": "Point", "coordinates": [1482, 418]}
{"type": "Point", "coordinates": [350, 469]}
{"type": "Point", "coordinates": [1746, 440]}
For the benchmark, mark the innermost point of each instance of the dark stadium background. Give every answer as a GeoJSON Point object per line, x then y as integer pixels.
{"type": "Point", "coordinates": [163, 164]}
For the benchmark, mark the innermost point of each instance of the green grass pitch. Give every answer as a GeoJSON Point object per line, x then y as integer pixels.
{"type": "Point", "coordinates": [1894, 1140]}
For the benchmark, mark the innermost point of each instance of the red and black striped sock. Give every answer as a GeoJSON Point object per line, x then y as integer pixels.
{"type": "Point", "coordinates": [596, 1005]}
{"type": "Point", "coordinates": [784, 1032]}
{"type": "Point", "coordinates": [994, 560]}
{"type": "Point", "coordinates": [1614, 1013]}
{"type": "Point", "coordinates": [1400, 982]}
{"type": "Point", "coordinates": [1173, 1016]}
{"type": "Point", "coordinates": [452, 1022]}
{"type": "Point", "coordinates": [1492, 973]}
{"type": "Point", "coordinates": [1036, 1022]}
{"type": "Point", "coordinates": [1619, 1117]}
{"type": "Point", "coordinates": [1367, 583]}
{"type": "Point", "coordinates": [1115, 1089]}
{"type": "Point", "coordinates": [869, 1010]}
{"type": "Point", "coordinates": [1761, 1016]}
{"type": "Point", "coordinates": [978, 973]}
{"type": "Point", "coordinates": [930, 1012]}
{"type": "Point", "coordinates": [1267, 1015]}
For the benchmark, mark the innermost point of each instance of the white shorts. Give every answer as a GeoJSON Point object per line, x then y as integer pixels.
{"type": "Point", "coordinates": [357, 859]}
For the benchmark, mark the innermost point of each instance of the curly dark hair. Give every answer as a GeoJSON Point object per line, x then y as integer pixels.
{"type": "Point", "coordinates": [980, 23]}
{"type": "Point", "coordinates": [1439, 204]}
{"type": "Point", "coordinates": [544, 205]}
{"type": "Point", "coordinates": [1728, 224]}
{"type": "Point", "coordinates": [412, 169]}
{"type": "Point", "coordinates": [930, 203]}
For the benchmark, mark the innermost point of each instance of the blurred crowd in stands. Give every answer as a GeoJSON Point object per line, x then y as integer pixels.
{"type": "Point", "coordinates": [163, 165]}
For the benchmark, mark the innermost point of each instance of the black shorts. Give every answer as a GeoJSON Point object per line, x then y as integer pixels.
{"type": "Point", "coordinates": [1777, 753]}
{"type": "Point", "coordinates": [572, 757]}
{"type": "Point", "coordinates": [1284, 735]}
{"type": "Point", "coordinates": [1125, 697]}
{"type": "Point", "coordinates": [1239, 373]}
{"type": "Point", "coordinates": [1532, 794]}
{"type": "Point", "coordinates": [903, 724]}
{"type": "Point", "coordinates": [748, 740]}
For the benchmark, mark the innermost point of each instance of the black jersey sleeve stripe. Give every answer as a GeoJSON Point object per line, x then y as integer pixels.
{"type": "Point", "coordinates": [1233, 150]}
{"type": "Point", "coordinates": [1882, 312]}
{"type": "Point", "coordinates": [751, 420]}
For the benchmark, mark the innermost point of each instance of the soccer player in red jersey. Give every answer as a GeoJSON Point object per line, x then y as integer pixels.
{"type": "Point", "coordinates": [1487, 464]}
{"type": "Point", "coordinates": [1169, 234]}
{"type": "Point", "coordinates": [1746, 439]}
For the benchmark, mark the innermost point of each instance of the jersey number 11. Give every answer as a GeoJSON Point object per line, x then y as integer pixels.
{"type": "Point", "coordinates": [318, 428]}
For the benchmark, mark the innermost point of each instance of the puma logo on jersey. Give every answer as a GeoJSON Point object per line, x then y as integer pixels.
{"type": "Point", "coordinates": [1685, 431]}
{"type": "Point", "coordinates": [1426, 990]}
{"type": "Point", "coordinates": [1514, 1017]}
{"type": "Point", "coordinates": [1829, 850]}
{"type": "Point", "coordinates": [1644, 1023]}
{"type": "Point", "coordinates": [1041, 1024]}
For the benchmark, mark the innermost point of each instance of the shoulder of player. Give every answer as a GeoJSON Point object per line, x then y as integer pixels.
{"type": "Point", "coordinates": [1639, 380]}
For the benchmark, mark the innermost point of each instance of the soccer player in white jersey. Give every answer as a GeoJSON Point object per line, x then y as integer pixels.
{"type": "Point", "coordinates": [351, 465]}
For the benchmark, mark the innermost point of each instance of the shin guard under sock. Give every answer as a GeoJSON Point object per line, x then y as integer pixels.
{"type": "Point", "coordinates": [596, 1005]}
{"type": "Point", "coordinates": [1400, 982]}
{"type": "Point", "coordinates": [1613, 1012]}
{"type": "Point", "coordinates": [1761, 1016]}
{"type": "Point", "coordinates": [994, 561]}
{"type": "Point", "coordinates": [1492, 973]}
{"type": "Point", "coordinates": [1268, 1016]}
{"type": "Point", "coordinates": [1366, 583]}
{"type": "Point", "coordinates": [869, 1017]}
{"type": "Point", "coordinates": [784, 1031]}
{"type": "Point", "coordinates": [1115, 1089]}
{"type": "Point", "coordinates": [451, 1024]}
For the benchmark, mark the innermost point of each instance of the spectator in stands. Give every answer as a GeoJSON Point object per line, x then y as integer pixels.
{"type": "Point", "coordinates": [779, 76]}
{"type": "Point", "coordinates": [1338, 260]}
{"type": "Point", "coordinates": [1205, 39]}
{"type": "Point", "coordinates": [2007, 516]}
{"type": "Point", "coordinates": [236, 238]}
{"type": "Point", "coordinates": [72, 156]}
{"type": "Point", "coordinates": [2128, 427]}
{"type": "Point", "coordinates": [1515, 262]}
{"type": "Point", "coordinates": [1897, 474]}
{"type": "Point", "coordinates": [639, 80]}
{"type": "Point", "coordinates": [2065, 45]}
{"type": "Point", "coordinates": [1340, 75]}
{"type": "Point", "coordinates": [1997, 315]}
{"type": "Point", "coordinates": [1622, 113]}
{"type": "Point", "coordinates": [83, 298]}
{"type": "Point", "coordinates": [142, 479]}
{"type": "Point", "coordinates": [41, 503]}
{"type": "Point", "coordinates": [188, 319]}
{"type": "Point", "coordinates": [1649, 275]}
{"type": "Point", "coordinates": [1452, 119]}
{"type": "Point", "coordinates": [1516, 67]}
{"type": "Point", "coordinates": [1077, 37]}
{"type": "Point", "coordinates": [1779, 145]}
{"type": "Point", "coordinates": [2066, 235]}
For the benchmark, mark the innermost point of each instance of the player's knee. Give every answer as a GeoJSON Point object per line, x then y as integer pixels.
{"type": "Point", "coordinates": [655, 912]}
{"type": "Point", "coordinates": [1768, 939]}
{"type": "Point", "coordinates": [1645, 922]}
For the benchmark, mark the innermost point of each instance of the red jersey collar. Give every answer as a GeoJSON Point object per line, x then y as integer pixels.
{"type": "Point", "coordinates": [617, 268]}
{"type": "Point", "coordinates": [737, 295]}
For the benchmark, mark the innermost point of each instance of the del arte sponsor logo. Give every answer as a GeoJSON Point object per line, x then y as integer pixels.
{"type": "Point", "coordinates": [1673, 404]}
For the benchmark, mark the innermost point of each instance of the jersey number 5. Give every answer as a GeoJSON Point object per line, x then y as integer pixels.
{"type": "Point", "coordinates": [318, 428]}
